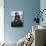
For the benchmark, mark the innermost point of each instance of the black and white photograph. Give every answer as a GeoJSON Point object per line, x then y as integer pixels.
{"type": "Point", "coordinates": [17, 19]}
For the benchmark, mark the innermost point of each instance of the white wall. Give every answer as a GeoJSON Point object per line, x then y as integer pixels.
{"type": "Point", "coordinates": [43, 6]}
{"type": "Point", "coordinates": [1, 20]}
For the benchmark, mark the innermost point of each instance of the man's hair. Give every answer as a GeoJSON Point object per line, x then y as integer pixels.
{"type": "Point", "coordinates": [16, 13]}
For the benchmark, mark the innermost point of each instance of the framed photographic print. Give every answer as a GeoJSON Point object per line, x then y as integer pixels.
{"type": "Point", "coordinates": [17, 19]}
